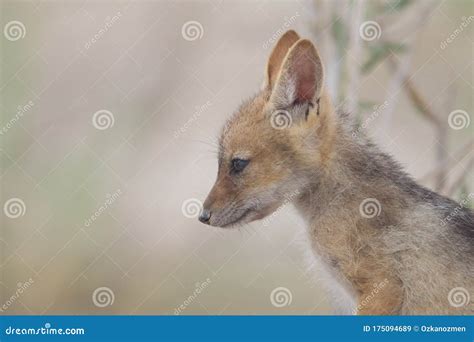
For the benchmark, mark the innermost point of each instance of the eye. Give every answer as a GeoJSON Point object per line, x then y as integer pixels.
{"type": "Point", "coordinates": [237, 165]}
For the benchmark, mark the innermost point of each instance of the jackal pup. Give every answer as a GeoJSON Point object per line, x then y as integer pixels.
{"type": "Point", "coordinates": [391, 245]}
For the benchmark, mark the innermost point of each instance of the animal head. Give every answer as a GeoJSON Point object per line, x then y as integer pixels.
{"type": "Point", "coordinates": [276, 141]}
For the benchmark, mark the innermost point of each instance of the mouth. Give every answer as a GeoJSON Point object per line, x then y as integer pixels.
{"type": "Point", "coordinates": [240, 213]}
{"type": "Point", "coordinates": [240, 218]}
{"type": "Point", "coordinates": [247, 215]}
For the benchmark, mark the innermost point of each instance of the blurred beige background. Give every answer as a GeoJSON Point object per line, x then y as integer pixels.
{"type": "Point", "coordinates": [110, 113]}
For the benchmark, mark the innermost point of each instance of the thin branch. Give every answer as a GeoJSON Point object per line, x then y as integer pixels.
{"type": "Point", "coordinates": [441, 151]}
{"type": "Point", "coordinates": [459, 154]}
{"type": "Point", "coordinates": [325, 12]}
{"type": "Point", "coordinates": [400, 70]}
{"type": "Point", "coordinates": [415, 96]}
{"type": "Point", "coordinates": [426, 110]}
{"type": "Point", "coordinates": [354, 55]}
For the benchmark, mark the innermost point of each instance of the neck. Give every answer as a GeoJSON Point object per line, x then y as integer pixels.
{"type": "Point", "coordinates": [352, 169]}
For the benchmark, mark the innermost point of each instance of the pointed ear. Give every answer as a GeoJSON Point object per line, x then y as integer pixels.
{"type": "Point", "coordinates": [301, 76]}
{"type": "Point", "coordinates": [277, 56]}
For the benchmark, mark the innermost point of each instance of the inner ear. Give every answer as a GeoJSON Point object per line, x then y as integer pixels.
{"type": "Point", "coordinates": [303, 71]}
{"type": "Point", "coordinates": [301, 77]}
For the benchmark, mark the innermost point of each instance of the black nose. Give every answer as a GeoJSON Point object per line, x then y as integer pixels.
{"type": "Point", "coordinates": [205, 216]}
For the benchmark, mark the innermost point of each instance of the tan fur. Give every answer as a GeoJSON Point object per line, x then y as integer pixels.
{"type": "Point", "coordinates": [403, 247]}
